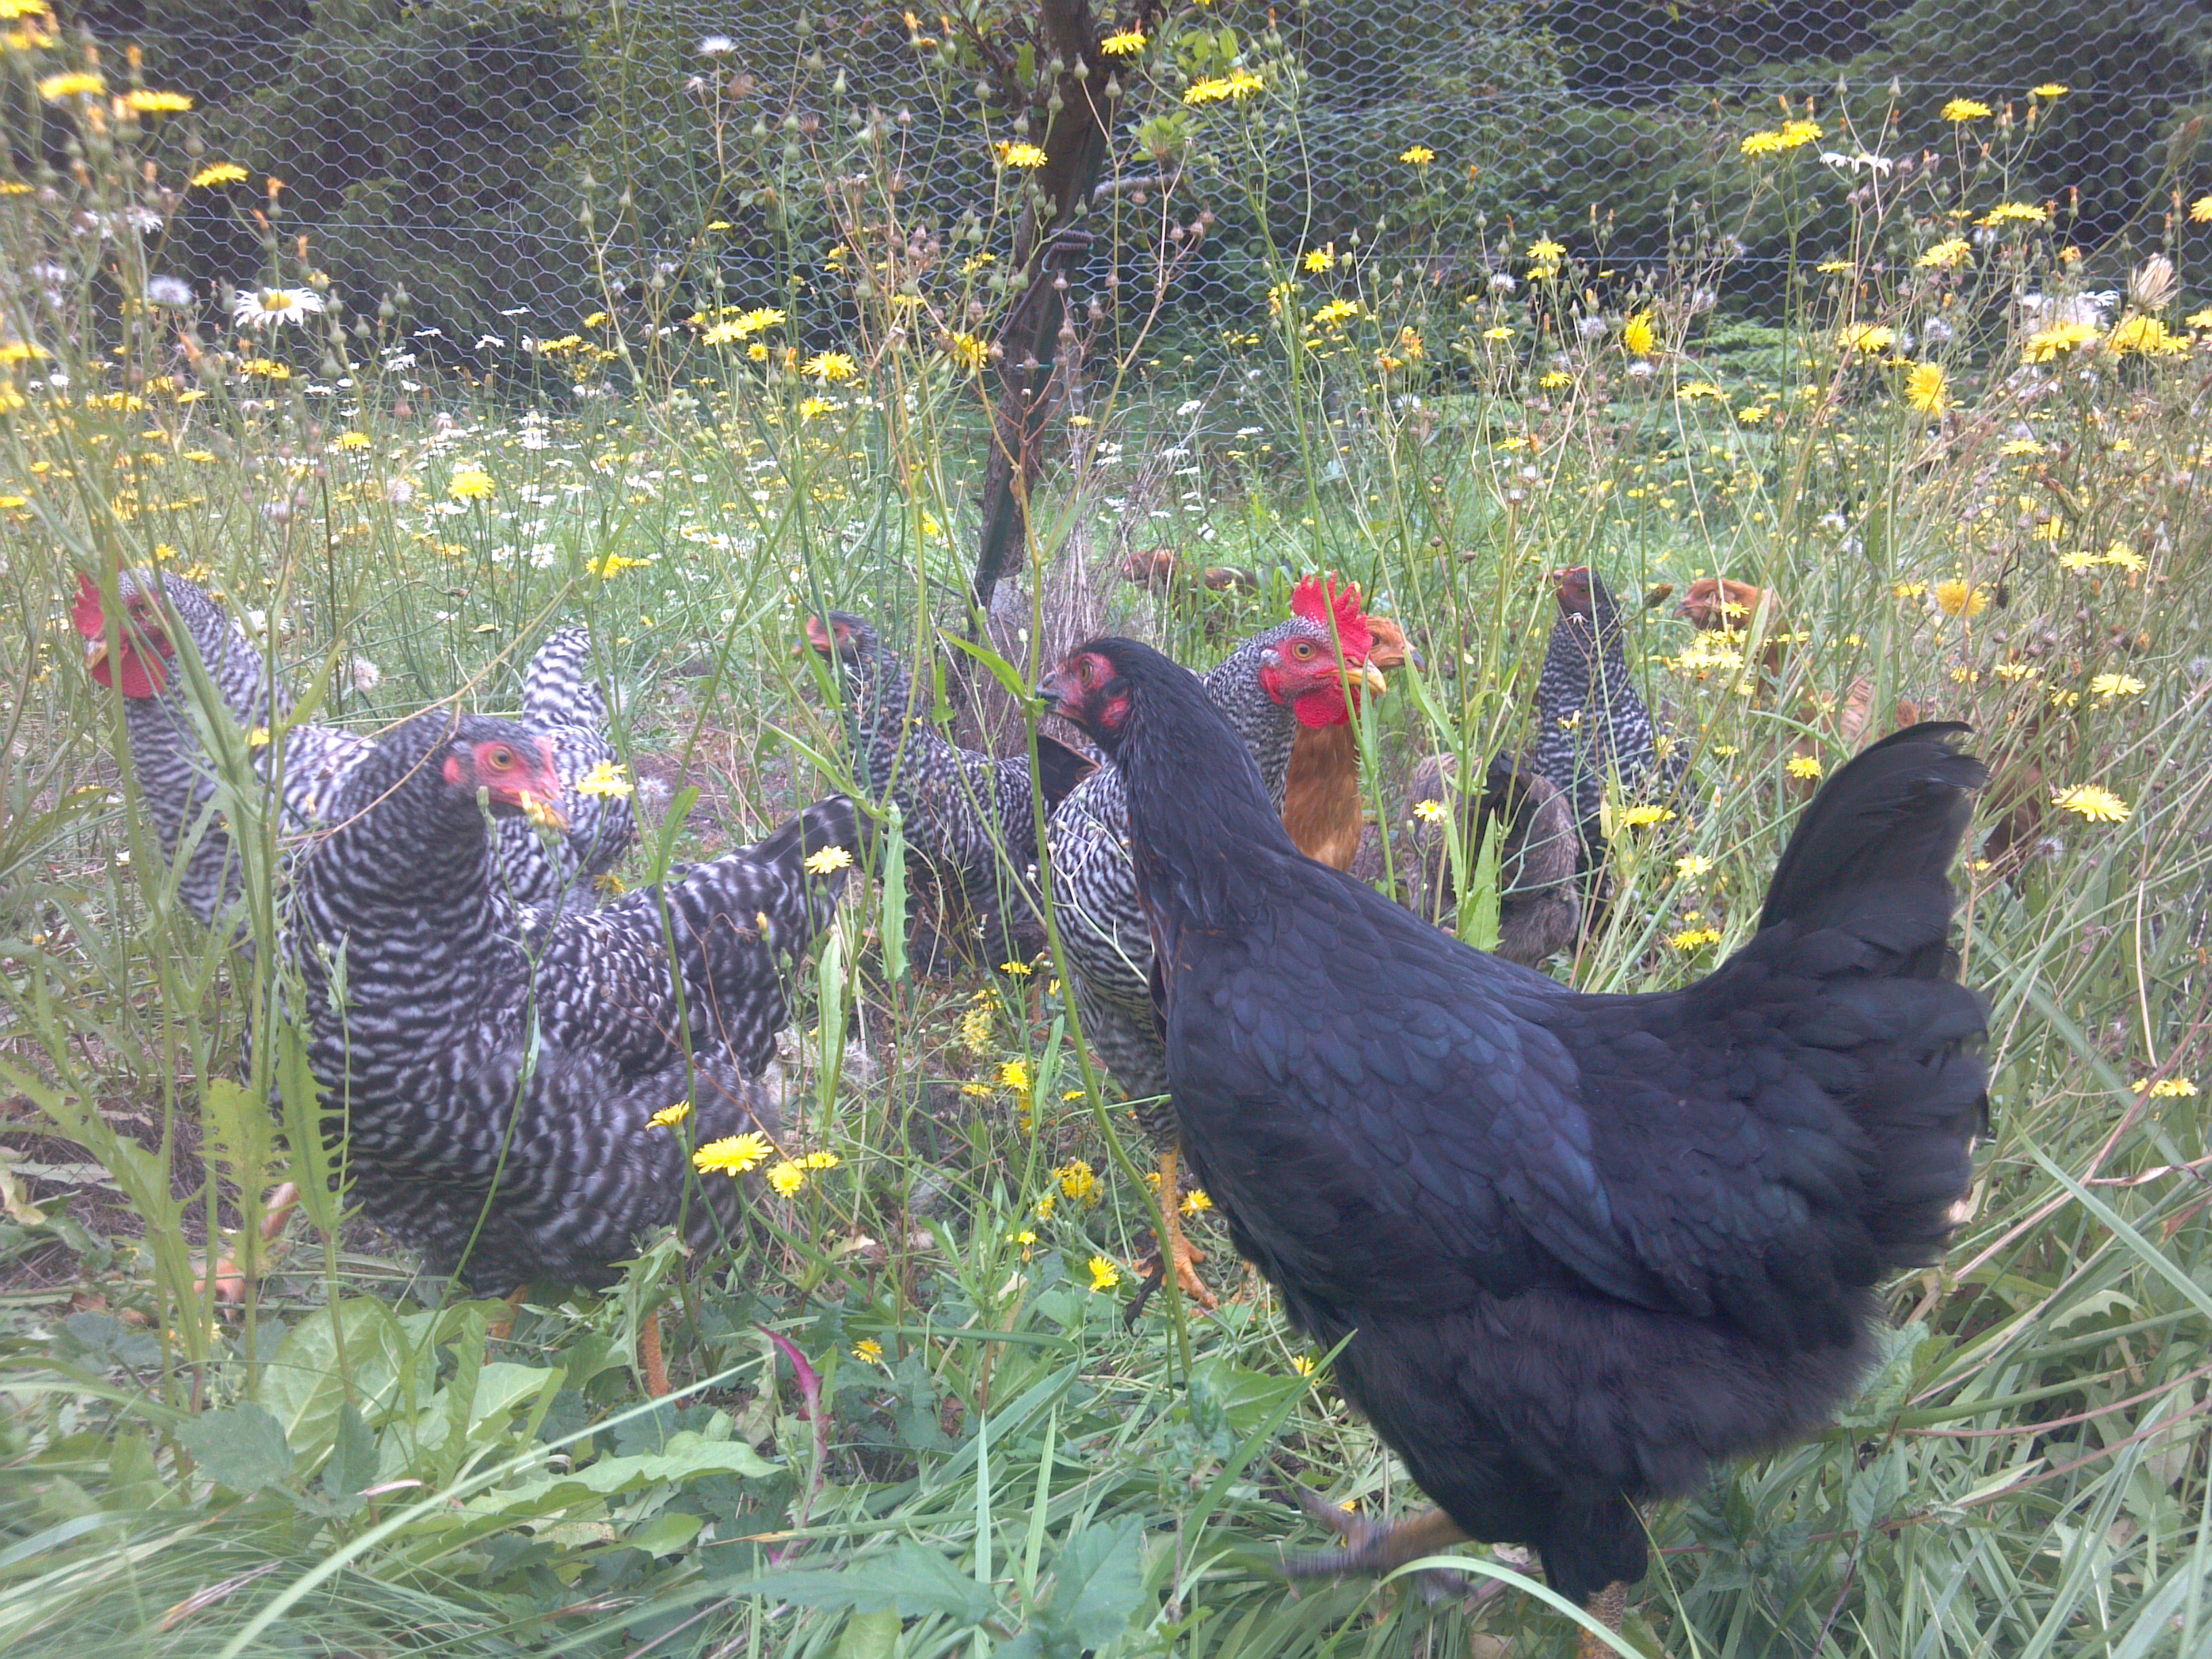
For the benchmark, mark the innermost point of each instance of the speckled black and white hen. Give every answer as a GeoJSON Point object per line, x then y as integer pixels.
{"type": "Point", "coordinates": [967, 818]}
{"type": "Point", "coordinates": [1291, 674]}
{"type": "Point", "coordinates": [177, 777]}
{"type": "Point", "coordinates": [564, 700]}
{"type": "Point", "coordinates": [176, 774]}
{"type": "Point", "coordinates": [1591, 725]}
{"type": "Point", "coordinates": [494, 1093]}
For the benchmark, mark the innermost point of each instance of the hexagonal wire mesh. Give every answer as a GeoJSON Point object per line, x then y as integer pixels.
{"type": "Point", "coordinates": [442, 154]}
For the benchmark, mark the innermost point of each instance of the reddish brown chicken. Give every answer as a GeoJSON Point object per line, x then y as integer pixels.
{"type": "Point", "coordinates": [1322, 804]}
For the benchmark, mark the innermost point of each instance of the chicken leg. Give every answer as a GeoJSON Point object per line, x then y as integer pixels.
{"type": "Point", "coordinates": [1369, 1547]}
{"type": "Point", "coordinates": [1608, 1606]}
{"type": "Point", "coordinates": [1178, 1255]}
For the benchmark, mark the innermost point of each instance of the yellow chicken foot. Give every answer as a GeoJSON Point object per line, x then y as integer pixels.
{"type": "Point", "coordinates": [649, 1359]}
{"type": "Point", "coordinates": [1176, 1251]}
{"type": "Point", "coordinates": [1608, 1606]}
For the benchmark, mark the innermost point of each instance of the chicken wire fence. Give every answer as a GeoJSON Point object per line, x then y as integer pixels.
{"type": "Point", "coordinates": [495, 174]}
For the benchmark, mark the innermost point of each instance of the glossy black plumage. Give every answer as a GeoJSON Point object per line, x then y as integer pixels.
{"type": "Point", "coordinates": [1583, 1246]}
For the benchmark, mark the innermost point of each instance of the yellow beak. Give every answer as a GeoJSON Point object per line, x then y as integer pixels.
{"type": "Point", "coordinates": [1373, 678]}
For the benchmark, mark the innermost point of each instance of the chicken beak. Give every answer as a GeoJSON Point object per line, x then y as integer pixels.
{"type": "Point", "coordinates": [1372, 678]}
{"type": "Point", "coordinates": [95, 653]}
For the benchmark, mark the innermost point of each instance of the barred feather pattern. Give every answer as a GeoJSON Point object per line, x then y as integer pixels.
{"type": "Point", "coordinates": [1590, 722]}
{"type": "Point", "coordinates": [967, 814]}
{"type": "Point", "coordinates": [494, 1092]}
{"type": "Point", "coordinates": [561, 699]}
{"type": "Point", "coordinates": [175, 771]}
{"type": "Point", "coordinates": [1109, 946]}
{"type": "Point", "coordinates": [177, 775]}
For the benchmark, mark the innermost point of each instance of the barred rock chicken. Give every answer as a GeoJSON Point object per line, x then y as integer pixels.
{"type": "Point", "coordinates": [1578, 1248]}
{"type": "Point", "coordinates": [1591, 725]}
{"type": "Point", "coordinates": [967, 818]}
{"type": "Point", "coordinates": [494, 1093]}
{"type": "Point", "coordinates": [1323, 807]}
{"type": "Point", "coordinates": [1539, 910]}
{"type": "Point", "coordinates": [177, 777]}
{"type": "Point", "coordinates": [1290, 678]}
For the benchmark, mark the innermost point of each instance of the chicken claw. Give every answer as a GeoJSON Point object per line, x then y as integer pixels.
{"type": "Point", "coordinates": [1176, 1249]}
{"type": "Point", "coordinates": [1369, 1547]}
{"type": "Point", "coordinates": [1608, 1606]}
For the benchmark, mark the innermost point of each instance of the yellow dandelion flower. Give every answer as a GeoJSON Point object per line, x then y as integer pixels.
{"type": "Point", "coordinates": [1791, 135]}
{"type": "Point", "coordinates": [1961, 599]}
{"type": "Point", "coordinates": [758, 320]}
{"type": "Point", "coordinates": [2048, 89]}
{"type": "Point", "coordinates": [222, 172]}
{"type": "Point", "coordinates": [1021, 155]}
{"type": "Point", "coordinates": [825, 861]}
{"type": "Point", "coordinates": [1430, 811]}
{"type": "Point", "coordinates": [669, 1116]}
{"type": "Point", "coordinates": [1014, 1075]}
{"type": "Point", "coordinates": [1947, 255]}
{"type": "Point", "coordinates": [351, 440]}
{"type": "Point", "coordinates": [265, 368]}
{"type": "Point", "coordinates": [2020, 447]}
{"type": "Point", "coordinates": [1966, 109]}
{"type": "Point", "coordinates": [1500, 333]}
{"type": "Point", "coordinates": [1104, 1275]}
{"type": "Point", "coordinates": [733, 1155]}
{"type": "Point", "coordinates": [1195, 1202]}
{"type": "Point", "coordinates": [2146, 334]}
{"type": "Point", "coordinates": [2166, 1088]}
{"type": "Point", "coordinates": [967, 352]}
{"type": "Point", "coordinates": [1690, 866]}
{"type": "Point", "coordinates": [2088, 801]}
{"type": "Point", "coordinates": [158, 103]}
{"type": "Point", "coordinates": [786, 1178]}
{"type": "Point", "coordinates": [820, 1161]}
{"type": "Point", "coordinates": [1045, 1204]}
{"type": "Point", "coordinates": [605, 780]}
{"type": "Point", "coordinates": [1545, 252]}
{"type": "Point", "coordinates": [1640, 818]}
{"type": "Point", "coordinates": [830, 366]}
{"type": "Point", "coordinates": [722, 333]}
{"type": "Point", "coordinates": [1556, 379]}
{"type": "Point", "coordinates": [258, 738]}
{"type": "Point", "coordinates": [1304, 1364]}
{"type": "Point", "coordinates": [470, 484]}
{"type": "Point", "coordinates": [2048, 343]}
{"type": "Point", "coordinates": [2115, 685]}
{"type": "Point", "coordinates": [868, 1350]}
{"type": "Point", "coordinates": [2120, 554]}
{"type": "Point", "coordinates": [2200, 319]}
{"type": "Point", "coordinates": [977, 1090]}
{"type": "Point", "coordinates": [1834, 267]}
{"type": "Point", "coordinates": [1123, 43]}
{"type": "Point", "coordinates": [614, 564]}
{"type": "Point", "coordinates": [1077, 1182]}
{"type": "Point", "coordinates": [1419, 154]}
{"type": "Point", "coordinates": [78, 84]}
{"type": "Point", "coordinates": [1927, 390]}
{"type": "Point", "coordinates": [1868, 338]}
{"type": "Point", "coordinates": [1233, 88]}
{"type": "Point", "coordinates": [1694, 938]}
{"type": "Point", "coordinates": [2015, 213]}
{"type": "Point", "coordinates": [1637, 335]}
{"type": "Point", "coordinates": [1335, 312]}
{"type": "Point", "coordinates": [1805, 766]}
{"type": "Point", "coordinates": [2200, 210]}
{"type": "Point", "coordinates": [810, 407]}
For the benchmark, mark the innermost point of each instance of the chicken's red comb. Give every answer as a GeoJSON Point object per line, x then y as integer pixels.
{"type": "Point", "coordinates": [1319, 599]}
{"type": "Point", "coordinates": [88, 613]}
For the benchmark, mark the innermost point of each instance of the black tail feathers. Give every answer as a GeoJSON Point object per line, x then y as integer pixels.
{"type": "Point", "coordinates": [1894, 815]}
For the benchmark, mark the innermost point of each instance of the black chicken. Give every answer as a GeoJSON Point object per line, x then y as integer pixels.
{"type": "Point", "coordinates": [495, 1094]}
{"type": "Point", "coordinates": [1581, 1246]}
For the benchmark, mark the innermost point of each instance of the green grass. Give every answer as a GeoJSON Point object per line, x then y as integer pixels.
{"type": "Point", "coordinates": [350, 1461]}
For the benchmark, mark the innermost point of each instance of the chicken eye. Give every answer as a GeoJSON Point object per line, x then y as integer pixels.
{"type": "Point", "coordinates": [1303, 650]}
{"type": "Point", "coordinates": [1085, 671]}
{"type": "Point", "coordinates": [501, 759]}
